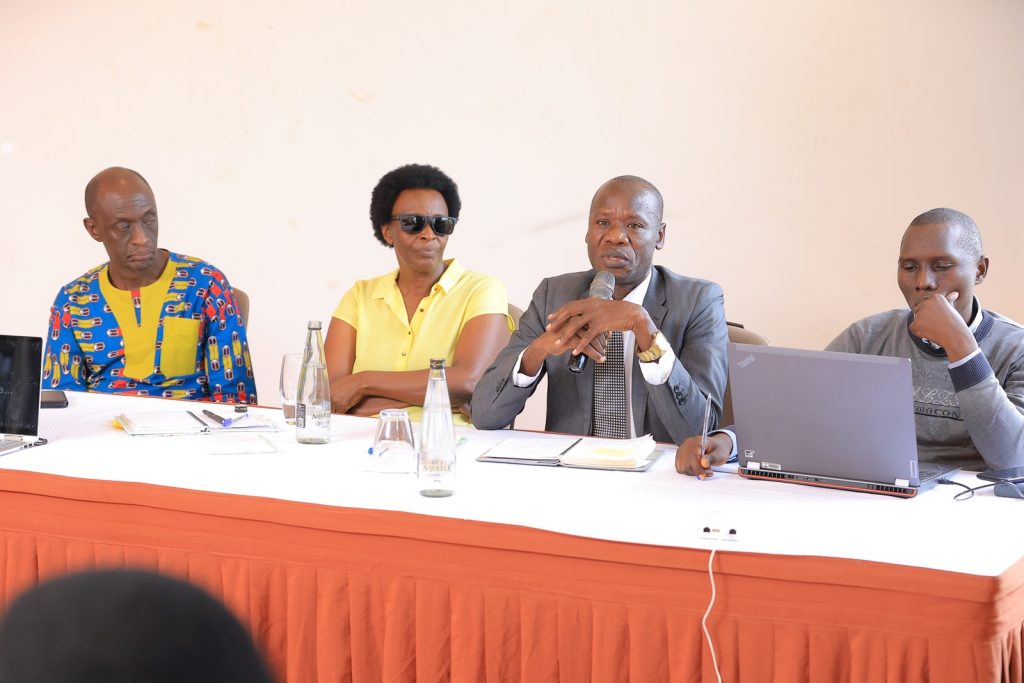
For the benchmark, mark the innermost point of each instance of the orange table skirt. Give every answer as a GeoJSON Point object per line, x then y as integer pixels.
{"type": "Point", "coordinates": [340, 594]}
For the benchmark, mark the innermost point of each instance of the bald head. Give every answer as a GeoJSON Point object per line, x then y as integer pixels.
{"type": "Point", "coordinates": [122, 215]}
{"type": "Point", "coordinates": [640, 185]}
{"type": "Point", "coordinates": [968, 235]}
{"type": "Point", "coordinates": [114, 178]}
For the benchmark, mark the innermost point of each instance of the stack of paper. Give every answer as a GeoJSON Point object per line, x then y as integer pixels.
{"type": "Point", "coordinates": [173, 423]}
{"type": "Point", "coordinates": [617, 454]}
{"type": "Point", "coordinates": [164, 423]}
{"type": "Point", "coordinates": [237, 422]}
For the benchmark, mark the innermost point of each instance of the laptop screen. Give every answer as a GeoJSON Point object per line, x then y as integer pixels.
{"type": "Point", "coordinates": [20, 369]}
{"type": "Point", "coordinates": [824, 413]}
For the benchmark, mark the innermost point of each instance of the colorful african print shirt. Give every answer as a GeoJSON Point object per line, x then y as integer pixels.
{"type": "Point", "coordinates": [179, 337]}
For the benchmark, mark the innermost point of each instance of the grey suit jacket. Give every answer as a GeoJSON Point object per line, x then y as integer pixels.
{"type": "Point", "coordinates": [688, 311]}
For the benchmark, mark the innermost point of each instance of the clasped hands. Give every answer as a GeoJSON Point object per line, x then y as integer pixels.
{"type": "Point", "coordinates": [582, 327]}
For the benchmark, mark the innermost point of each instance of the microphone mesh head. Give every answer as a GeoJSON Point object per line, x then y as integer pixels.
{"type": "Point", "coordinates": [603, 285]}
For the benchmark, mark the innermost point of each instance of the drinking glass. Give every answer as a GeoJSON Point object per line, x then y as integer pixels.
{"type": "Point", "coordinates": [291, 363]}
{"type": "Point", "coordinates": [394, 449]}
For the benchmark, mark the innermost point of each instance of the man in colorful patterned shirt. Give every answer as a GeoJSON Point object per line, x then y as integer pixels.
{"type": "Point", "coordinates": [148, 322]}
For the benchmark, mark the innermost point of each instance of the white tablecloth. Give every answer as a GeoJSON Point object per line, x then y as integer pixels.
{"type": "Point", "coordinates": [978, 536]}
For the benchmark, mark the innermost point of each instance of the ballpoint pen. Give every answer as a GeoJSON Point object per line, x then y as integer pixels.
{"type": "Point", "coordinates": [224, 421]}
{"type": "Point", "coordinates": [198, 419]}
{"type": "Point", "coordinates": [704, 431]}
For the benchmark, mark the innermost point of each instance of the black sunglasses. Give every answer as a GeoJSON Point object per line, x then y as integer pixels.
{"type": "Point", "coordinates": [414, 223]}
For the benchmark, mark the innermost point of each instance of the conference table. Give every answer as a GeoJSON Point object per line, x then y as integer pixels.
{"type": "Point", "coordinates": [526, 573]}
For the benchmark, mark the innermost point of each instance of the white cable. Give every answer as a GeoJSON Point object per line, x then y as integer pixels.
{"type": "Point", "coordinates": [704, 621]}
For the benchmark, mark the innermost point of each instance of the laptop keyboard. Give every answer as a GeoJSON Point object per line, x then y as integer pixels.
{"type": "Point", "coordinates": [10, 445]}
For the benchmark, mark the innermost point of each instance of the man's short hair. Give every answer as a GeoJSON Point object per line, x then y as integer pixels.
{"type": "Point", "coordinates": [659, 202]}
{"type": "Point", "coordinates": [969, 237]}
{"type": "Point", "coordinates": [93, 186]}
{"type": "Point", "coordinates": [116, 626]}
{"type": "Point", "coordinates": [409, 177]}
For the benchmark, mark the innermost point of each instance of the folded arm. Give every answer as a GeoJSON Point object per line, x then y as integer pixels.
{"type": "Point", "coordinates": [480, 340]}
{"type": "Point", "coordinates": [993, 413]}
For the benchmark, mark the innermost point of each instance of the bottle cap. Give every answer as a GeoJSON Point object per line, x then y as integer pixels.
{"type": "Point", "coordinates": [314, 325]}
{"type": "Point", "coordinates": [437, 363]}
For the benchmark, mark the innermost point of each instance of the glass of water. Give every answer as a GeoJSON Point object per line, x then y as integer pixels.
{"type": "Point", "coordinates": [291, 363]}
{"type": "Point", "coordinates": [394, 449]}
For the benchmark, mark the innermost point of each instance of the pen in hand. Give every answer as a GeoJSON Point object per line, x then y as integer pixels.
{"type": "Point", "coordinates": [704, 436]}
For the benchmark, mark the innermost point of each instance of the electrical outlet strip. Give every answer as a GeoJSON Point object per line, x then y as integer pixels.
{"type": "Point", "coordinates": [717, 526]}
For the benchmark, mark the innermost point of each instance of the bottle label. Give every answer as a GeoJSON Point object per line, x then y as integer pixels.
{"type": "Point", "coordinates": [300, 415]}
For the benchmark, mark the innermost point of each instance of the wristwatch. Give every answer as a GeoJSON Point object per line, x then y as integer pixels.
{"type": "Point", "coordinates": [659, 346]}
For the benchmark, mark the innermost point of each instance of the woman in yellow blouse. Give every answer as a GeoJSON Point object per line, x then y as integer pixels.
{"type": "Point", "coordinates": [386, 329]}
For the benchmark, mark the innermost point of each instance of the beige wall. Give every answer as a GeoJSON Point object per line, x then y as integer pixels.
{"type": "Point", "coordinates": [792, 140]}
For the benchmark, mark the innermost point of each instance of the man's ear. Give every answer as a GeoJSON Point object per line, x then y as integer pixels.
{"type": "Point", "coordinates": [90, 227]}
{"type": "Point", "coordinates": [385, 232]}
{"type": "Point", "coordinates": [661, 236]}
{"type": "Point", "coordinates": [982, 272]}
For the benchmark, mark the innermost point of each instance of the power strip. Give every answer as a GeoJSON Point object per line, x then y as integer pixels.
{"type": "Point", "coordinates": [717, 526]}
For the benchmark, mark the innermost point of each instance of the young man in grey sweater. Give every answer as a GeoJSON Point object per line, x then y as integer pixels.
{"type": "Point", "coordinates": [968, 363]}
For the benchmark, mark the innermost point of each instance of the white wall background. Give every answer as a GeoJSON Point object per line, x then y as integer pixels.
{"type": "Point", "coordinates": [793, 141]}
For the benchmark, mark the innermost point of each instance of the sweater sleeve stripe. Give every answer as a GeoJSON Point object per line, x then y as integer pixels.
{"type": "Point", "coordinates": [970, 373]}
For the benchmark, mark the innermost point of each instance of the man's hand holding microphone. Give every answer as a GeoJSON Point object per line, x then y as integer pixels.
{"type": "Point", "coordinates": [582, 328]}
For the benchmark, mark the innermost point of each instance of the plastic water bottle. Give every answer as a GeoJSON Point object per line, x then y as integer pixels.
{"type": "Point", "coordinates": [313, 397]}
{"type": "Point", "coordinates": [437, 440]}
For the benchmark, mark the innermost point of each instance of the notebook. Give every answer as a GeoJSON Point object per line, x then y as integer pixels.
{"type": "Point", "coordinates": [838, 420]}
{"type": "Point", "coordinates": [631, 455]}
{"type": "Point", "coordinates": [21, 366]}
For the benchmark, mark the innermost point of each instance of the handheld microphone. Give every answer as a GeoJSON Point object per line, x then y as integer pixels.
{"type": "Point", "coordinates": [601, 288]}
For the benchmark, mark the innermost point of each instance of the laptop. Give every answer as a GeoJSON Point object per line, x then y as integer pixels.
{"type": "Point", "coordinates": [21, 365]}
{"type": "Point", "coordinates": [838, 420]}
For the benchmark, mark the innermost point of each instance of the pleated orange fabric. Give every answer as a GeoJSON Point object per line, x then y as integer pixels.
{"type": "Point", "coordinates": [341, 594]}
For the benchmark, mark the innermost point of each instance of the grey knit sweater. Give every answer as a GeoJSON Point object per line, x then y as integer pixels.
{"type": "Point", "coordinates": [971, 416]}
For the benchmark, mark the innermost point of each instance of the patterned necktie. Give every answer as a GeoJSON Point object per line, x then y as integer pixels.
{"type": "Point", "coordinates": [610, 414]}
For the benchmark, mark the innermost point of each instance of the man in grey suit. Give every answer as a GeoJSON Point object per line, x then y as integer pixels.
{"type": "Point", "coordinates": [673, 335]}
